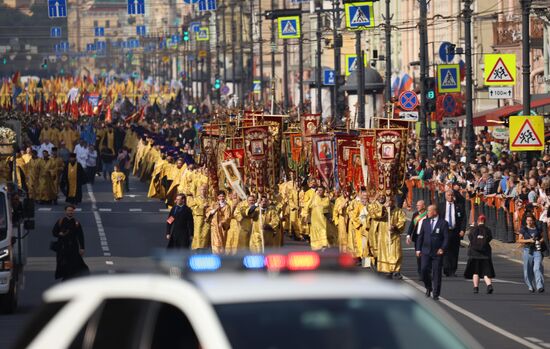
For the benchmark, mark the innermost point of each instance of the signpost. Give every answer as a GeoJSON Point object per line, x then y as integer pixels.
{"type": "Point", "coordinates": [448, 78]}
{"type": "Point", "coordinates": [408, 100]}
{"type": "Point", "coordinates": [329, 78]}
{"type": "Point", "coordinates": [500, 69]}
{"type": "Point", "coordinates": [503, 92]}
{"type": "Point", "coordinates": [55, 32]}
{"type": "Point", "coordinates": [136, 7]}
{"type": "Point", "coordinates": [57, 8]}
{"type": "Point", "coordinates": [526, 133]}
{"type": "Point", "coordinates": [359, 15]}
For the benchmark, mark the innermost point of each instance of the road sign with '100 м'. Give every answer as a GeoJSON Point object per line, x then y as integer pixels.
{"type": "Point", "coordinates": [500, 70]}
{"type": "Point", "coordinates": [289, 27]}
{"type": "Point", "coordinates": [526, 133]}
{"type": "Point", "coordinates": [504, 92]}
{"type": "Point", "coordinates": [359, 15]}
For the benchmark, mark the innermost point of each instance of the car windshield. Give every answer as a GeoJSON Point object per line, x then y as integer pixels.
{"type": "Point", "coordinates": [335, 323]}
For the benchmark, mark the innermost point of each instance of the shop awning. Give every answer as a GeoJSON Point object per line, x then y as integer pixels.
{"type": "Point", "coordinates": [494, 117]}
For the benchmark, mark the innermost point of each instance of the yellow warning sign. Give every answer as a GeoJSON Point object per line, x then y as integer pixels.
{"type": "Point", "coordinates": [500, 70]}
{"type": "Point", "coordinates": [526, 133]}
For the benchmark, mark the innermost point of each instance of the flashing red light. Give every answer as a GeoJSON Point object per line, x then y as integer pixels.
{"type": "Point", "coordinates": [275, 261]}
{"type": "Point", "coordinates": [346, 260]}
{"type": "Point", "coordinates": [303, 261]}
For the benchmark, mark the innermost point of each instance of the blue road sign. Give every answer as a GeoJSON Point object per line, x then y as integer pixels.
{"type": "Point", "coordinates": [257, 86]}
{"type": "Point", "coordinates": [449, 104]}
{"type": "Point", "coordinates": [446, 52]}
{"type": "Point", "coordinates": [207, 5]}
{"type": "Point", "coordinates": [141, 30]}
{"type": "Point", "coordinates": [57, 8]}
{"type": "Point", "coordinates": [64, 46]}
{"type": "Point", "coordinates": [101, 45]}
{"type": "Point", "coordinates": [329, 77]}
{"type": "Point", "coordinates": [56, 47]}
{"type": "Point", "coordinates": [175, 39]}
{"type": "Point", "coordinates": [136, 7]}
{"type": "Point", "coordinates": [55, 32]}
{"type": "Point", "coordinates": [195, 26]}
{"type": "Point", "coordinates": [448, 78]}
{"type": "Point", "coordinates": [408, 100]}
{"type": "Point", "coordinates": [359, 15]}
{"type": "Point", "coordinates": [99, 31]}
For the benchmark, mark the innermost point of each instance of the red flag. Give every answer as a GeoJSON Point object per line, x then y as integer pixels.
{"type": "Point", "coordinates": [74, 111]}
{"type": "Point", "coordinates": [141, 114]}
{"type": "Point", "coordinates": [108, 116]}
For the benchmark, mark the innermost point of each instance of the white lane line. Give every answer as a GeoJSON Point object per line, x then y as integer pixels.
{"type": "Point", "coordinates": [100, 228]}
{"type": "Point", "coordinates": [546, 345]}
{"type": "Point", "coordinates": [135, 210]}
{"type": "Point", "coordinates": [533, 339]}
{"type": "Point", "coordinates": [478, 319]}
{"type": "Point", "coordinates": [164, 210]}
{"type": "Point", "coordinates": [45, 209]}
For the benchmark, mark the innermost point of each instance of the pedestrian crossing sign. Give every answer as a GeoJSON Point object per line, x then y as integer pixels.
{"type": "Point", "coordinates": [500, 70]}
{"type": "Point", "coordinates": [351, 63]}
{"type": "Point", "coordinates": [289, 27]}
{"type": "Point", "coordinates": [526, 133]}
{"type": "Point", "coordinates": [257, 86]}
{"type": "Point", "coordinates": [448, 78]}
{"type": "Point", "coordinates": [359, 15]}
{"type": "Point", "coordinates": [203, 34]}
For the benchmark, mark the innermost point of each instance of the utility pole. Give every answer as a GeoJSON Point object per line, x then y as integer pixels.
{"type": "Point", "coordinates": [526, 71]}
{"type": "Point", "coordinates": [301, 71]}
{"type": "Point", "coordinates": [224, 43]}
{"type": "Point", "coordinates": [233, 43]}
{"type": "Point", "coordinates": [217, 93]}
{"type": "Point", "coordinates": [250, 63]}
{"type": "Point", "coordinates": [360, 80]}
{"type": "Point", "coordinates": [337, 39]}
{"type": "Point", "coordinates": [470, 136]}
{"type": "Point", "coordinates": [423, 75]}
{"type": "Point", "coordinates": [286, 102]}
{"type": "Point", "coordinates": [241, 55]}
{"type": "Point", "coordinates": [261, 51]}
{"type": "Point", "coordinates": [318, 75]}
{"type": "Point", "coordinates": [273, 47]}
{"type": "Point", "coordinates": [388, 52]}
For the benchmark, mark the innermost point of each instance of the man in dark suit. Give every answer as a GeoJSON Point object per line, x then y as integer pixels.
{"type": "Point", "coordinates": [454, 213]}
{"type": "Point", "coordinates": [179, 224]}
{"type": "Point", "coordinates": [431, 245]}
{"type": "Point", "coordinates": [414, 227]}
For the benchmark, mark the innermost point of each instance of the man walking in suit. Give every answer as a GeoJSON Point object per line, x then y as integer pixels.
{"type": "Point", "coordinates": [414, 228]}
{"type": "Point", "coordinates": [455, 214]}
{"type": "Point", "coordinates": [179, 225]}
{"type": "Point", "coordinates": [431, 245]}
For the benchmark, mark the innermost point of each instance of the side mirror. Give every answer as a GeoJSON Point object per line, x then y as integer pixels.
{"type": "Point", "coordinates": [28, 208]}
{"type": "Point", "coordinates": [28, 224]}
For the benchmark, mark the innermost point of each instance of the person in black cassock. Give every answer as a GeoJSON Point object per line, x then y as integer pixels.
{"type": "Point", "coordinates": [72, 179]}
{"type": "Point", "coordinates": [69, 246]}
{"type": "Point", "coordinates": [480, 264]}
{"type": "Point", "coordinates": [179, 225]}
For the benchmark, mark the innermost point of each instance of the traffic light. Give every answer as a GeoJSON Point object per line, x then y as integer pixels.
{"type": "Point", "coordinates": [44, 64]}
{"type": "Point", "coordinates": [430, 88]}
{"type": "Point", "coordinates": [186, 35]}
{"type": "Point", "coordinates": [5, 60]}
{"type": "Point", "coordinates": [217, 83]}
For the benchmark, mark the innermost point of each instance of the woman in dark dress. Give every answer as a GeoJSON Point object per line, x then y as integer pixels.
{"type": "Point", "coordinates": [69, 246]}
{"type": "Point", "coordinates": [480, 264]}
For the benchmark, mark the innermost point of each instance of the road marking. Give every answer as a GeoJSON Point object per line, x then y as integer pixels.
{"type": "Point", "coordinates": [164, 210]}
{"type": "Point", "coordinates": [135, 210]}
{"type": "Point", "coordinates": [45, 209]}
{"type": "Point", "coordinates": [533, 339]}
{"type": "Point", "coordinates": [477, 319]}
{"type": "Point", "coordinates": [100, 228]}
{"type": "Point", "coordinates": [105, 210]}
{"type": "Point", "coordinates": [546, 345]}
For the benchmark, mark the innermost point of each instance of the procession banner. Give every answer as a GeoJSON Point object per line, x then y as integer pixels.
{"type": "Point", "coordinates": [369, 163]}
{"type": "Point", "coordinates": [354, 168]}
{"type": "Point", "coordinates": [257, 147]}
{"type": "Point", "coordinates": [343, 144]}
{"type": "Point", "coordinates": [390, 147]}
{"type": "Point", "coordinates": [323, 155]}
{"type": "Point", "coordinates": [209, 156]}
{"type": "Point", "coordinates": [233, 177]}
{"type": "Point", "coordinates": [294, 152]}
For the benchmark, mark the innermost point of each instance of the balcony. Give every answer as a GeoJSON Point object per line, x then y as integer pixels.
{"type": "Point", "coordinates": [507, 33]}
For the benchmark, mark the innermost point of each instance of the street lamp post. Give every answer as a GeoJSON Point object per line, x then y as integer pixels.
{"type": "Point", "coordinates": [337, 42]}
{"type": "Point", "coordinates": [318, 76]}
{"type": "Point", "coordinates": [360, 80]}
{"type": "Point", "coordinates": [526, 71]}
{"type": "Point", "coordinates": [423, 75]}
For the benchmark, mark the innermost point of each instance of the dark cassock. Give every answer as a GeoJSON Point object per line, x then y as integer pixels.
{"type": "Point", "coordinates": [179, 227]}
{"type": "Point", "coordinates": [70, 240]}
{"type": "Point", "coordinates": [72, 179]}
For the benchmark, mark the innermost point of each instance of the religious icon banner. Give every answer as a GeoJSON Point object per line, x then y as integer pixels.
{"type": "Point", "coordinates": [233, 177]}
{"type": "Point", "coordinates": [257, 149]}
{"type": "Point", "coordinates": [369, 162]}
{"type": "Point", "coordinates": [390, 147]}
{"type": "Point", "coordinates": [343, 144]}
{"type": "Point", "coordinates": [323, 155]}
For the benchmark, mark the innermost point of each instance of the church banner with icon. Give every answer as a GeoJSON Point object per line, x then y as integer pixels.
{"type": "Point", "coordinates": [344, 143]}
{"type": "Point", "coordinates": [390, 148]}
{"type": "Point", "coordinates": [258, 148]}
{"type": "Point", "coordinates": [323, 156]}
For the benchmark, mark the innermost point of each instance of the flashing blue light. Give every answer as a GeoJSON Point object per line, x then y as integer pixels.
{"type": "Point", "coordinates": [205, 262]}
{"type": "Point", "coordinates": [254, 262]}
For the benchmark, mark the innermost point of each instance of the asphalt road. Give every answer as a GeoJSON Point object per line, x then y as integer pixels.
{"type": "Point", "coordinates": [121, 235]}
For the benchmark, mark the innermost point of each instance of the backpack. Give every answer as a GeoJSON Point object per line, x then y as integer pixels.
{"type": "Point", "coordinates": [479, 240]}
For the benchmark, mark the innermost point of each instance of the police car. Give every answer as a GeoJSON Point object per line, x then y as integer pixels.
{"type": "Point", "coordinates": [274, 300]}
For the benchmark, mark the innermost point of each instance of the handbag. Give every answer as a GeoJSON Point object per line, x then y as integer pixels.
{"type": "Point", "coordinates": [54, 246]}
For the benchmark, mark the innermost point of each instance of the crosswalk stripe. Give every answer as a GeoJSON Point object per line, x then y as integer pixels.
{"type": "Point", "coordinates": [164, 210]}
{"type": "Point", "coordinates": [135, 210]}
